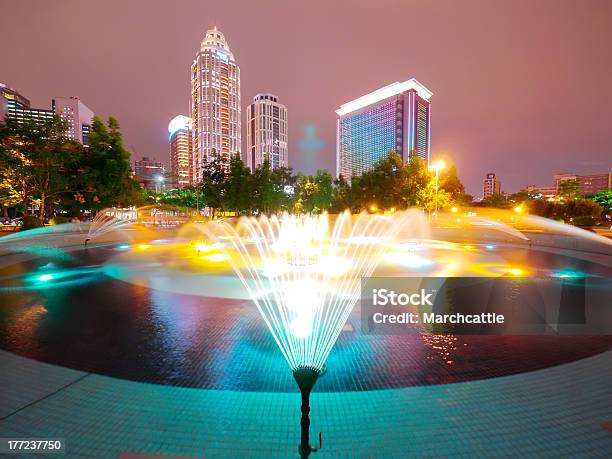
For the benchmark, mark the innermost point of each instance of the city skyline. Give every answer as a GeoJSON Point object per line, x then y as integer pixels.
{"type": "Point", "coordinates": [478, 120]}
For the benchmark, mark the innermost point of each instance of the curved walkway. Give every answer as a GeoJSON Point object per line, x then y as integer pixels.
{"type": "Point", "coordinates": [564, 411]}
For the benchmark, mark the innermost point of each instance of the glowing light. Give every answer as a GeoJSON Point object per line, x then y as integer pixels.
{"type": "Point", "coordinates": [567, 274]}
{"type": "Point", "coordinates": [205, 247]}
{"type": "Point", "coordinates": [372, 208]}
{"type": "Point", "coordinates": [518, 209]}
{"type": "Point", "coordinates": [123, 246]}
{"type": "Point", "coordinates": [516, 271]}
{"type": "Point", "coordinates": [392, 209]}
{"type": "Point", "coordinates": [408, 260]}
{"type": "Point", "coordinates": [223, 56]}
{"type": "Point", "coordinates": [468, 247]}
{"type": "Point", "coordinates": [384, 93]}
{"type": "Point", "coordinates": [178, 123]}
{"type": "Point", "coordinates": [438, 165]}
{"type": "Point", "coordinates": [216, 257]}
{"type": "Point", "coordinates": [45, 277]}
{"type": "Point", "coordinates": [489, 247]}
{"type": "Point", "coordinates": [454, 210]}
{"type": "Point", "coordinates": [143, 246]}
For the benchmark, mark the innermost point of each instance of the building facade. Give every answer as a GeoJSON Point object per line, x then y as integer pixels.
{"type": "Point", "coordinates": [589, 184]}
{"type": "Point", "coordinates": [150, 173]}
{"type": "Point", "coordinates": [76, 115]}
{"type": "Point", "coordinates": [215, 102]}
{"type": "Point", "coordinates": [181, 150]}
{"type": "Point", "coordinates": [396, 117]}
{"type": "Point", "coordinates": [18, 107]}
{"type": "Point", "coordinates": [491, 185]}
{"type": "Point", "coordinates": [71, 110]}
{"type": "Point", "coordinates": [267, 132]}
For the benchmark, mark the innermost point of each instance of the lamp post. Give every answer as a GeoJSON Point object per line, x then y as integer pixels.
{"type": "Point", "coordinates": [437, 167]}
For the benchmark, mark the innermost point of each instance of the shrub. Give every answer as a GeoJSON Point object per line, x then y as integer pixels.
{"type": "Point", "coordinates": [30, 222]}
{"type": "Point", "coordinates": [584, 220]}
{"type": "Point", "coordinates": [59, 219]}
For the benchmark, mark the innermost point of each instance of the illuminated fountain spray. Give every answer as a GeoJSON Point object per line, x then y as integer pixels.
{"type": "Point", "coordinates": [304, 274]}
{"type": "Point", "coordinates": [104, 223]}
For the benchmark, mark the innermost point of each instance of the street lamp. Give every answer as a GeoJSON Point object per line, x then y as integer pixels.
{"type": "Point", "coordinates": [437, 167]}
{"type": "Point", "coordinates": [159, 180]}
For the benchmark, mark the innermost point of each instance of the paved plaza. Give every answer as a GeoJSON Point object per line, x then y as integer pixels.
{"type": "Point", "coordinates": [556, 412]}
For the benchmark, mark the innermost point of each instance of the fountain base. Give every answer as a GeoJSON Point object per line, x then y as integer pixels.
{"type": "Point", "coordinates": [306, 378]}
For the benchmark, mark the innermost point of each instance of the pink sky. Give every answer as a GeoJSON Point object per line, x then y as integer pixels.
{"type": "Point", "coordinates": [521, 88]}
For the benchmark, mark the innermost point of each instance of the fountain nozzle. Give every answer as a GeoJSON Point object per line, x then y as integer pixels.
{"type": "Point", "coordinates": [86, 241]}
{"type": "Point", "coordinates": [306, 378]}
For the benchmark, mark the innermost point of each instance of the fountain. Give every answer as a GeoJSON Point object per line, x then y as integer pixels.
{"type": "Point", "coordinates": [104, 222]}
{"type": "Point", "coordinates": [304, 276]}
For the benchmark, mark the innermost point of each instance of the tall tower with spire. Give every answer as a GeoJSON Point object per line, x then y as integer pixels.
{"type": "Point", "coordinates": [215, 102]}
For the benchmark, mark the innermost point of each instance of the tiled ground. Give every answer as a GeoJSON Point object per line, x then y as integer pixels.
{"type": "Point", "coordinates": [556, 412]}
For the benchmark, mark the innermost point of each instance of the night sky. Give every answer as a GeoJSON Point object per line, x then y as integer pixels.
{"type": "Point", "coordinates": [521, 88]}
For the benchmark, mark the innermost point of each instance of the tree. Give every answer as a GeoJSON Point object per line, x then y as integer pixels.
{"type": "Point", "coordinates": [323, 190]}
{"type": "Point", "coordinates": [106, 173]}
{"type": "Point", "coordinates": [449, 182]}
{"type": "Point", "coordinates": [341, 195]}
{"type": "Point", "coordinates": [284, 183]}
{"type": "Point", "coordinates": [238, 186]}
{"type": "Point", "coordinates": [265, 194]}
{"type": "Point", "coordinates": [214, 173]}
{"type": "Point", "coordinates": [604, 199]}
{"type": "Point", "coordinates": [569, 189]}
{"type": "Point", "coordinates": [582, 212]}
{"type": "Point", "coordinates": [306, 195]}
{"type": "Point", "coordinates": [497, 200]}
{"type": "Point", "coordinates": [37, 163]}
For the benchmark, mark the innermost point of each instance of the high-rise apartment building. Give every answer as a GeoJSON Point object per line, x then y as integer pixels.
{"type": "Point", "coordinates": [491, 185]}
{"type": "Point", "coordinates": [267, 132]}
{"type": "Point", "coordinates": [396, 117]}
{"type": "Point", "coordinates": [181, 149]}
{"type": "Point", "coordinates": [150, 173]}
{"type": "Point", "coordinates": [71, 110]}
{"type": "Point", "coordinates": [215, 102]}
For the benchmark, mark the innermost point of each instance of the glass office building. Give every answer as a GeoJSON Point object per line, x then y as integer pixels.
{"type": "Point", "coordinates": [396, 117]}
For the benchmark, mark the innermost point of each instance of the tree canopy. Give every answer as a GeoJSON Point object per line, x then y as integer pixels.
{"type": "Point", "coordinates": [42, 170]}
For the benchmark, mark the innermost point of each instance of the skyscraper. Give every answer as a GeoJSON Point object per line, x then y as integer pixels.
{"type": "Point", "coordinates": [215, 102]}
{"type": "Point", "coordinates": [71, 110]}
{"type": "Point", "coordinates": [396, 117]}
{"type": "Point", "coordinates": [267, 132]}
{"type": "Point", "coordinates": [491, 185]}
{"type": "Point", "coordinates": [181, 148]}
